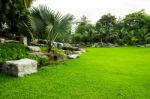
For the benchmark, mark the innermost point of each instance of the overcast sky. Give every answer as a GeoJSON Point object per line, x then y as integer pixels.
{"type": "Point", "coordinates": [94, 9]}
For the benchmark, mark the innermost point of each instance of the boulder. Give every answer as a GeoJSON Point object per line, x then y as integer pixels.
{"type": "Point", "coordinates": [76, 45]}
{"type": "Point", "coordinates": [19, 68]}
{"type": "Point", "coordinates": [73, 56]}
{"type": "Point", "coordinates": [59, 57]}
{"type": "Point", "coordinates": [67, 45]}
{"type": "Point", "coordinates": [60, 45]}
{"type": "Point", "coordinates": [77, 52]}
{"type": "Point", "coordinates": [82, 50]}
{"type": "Point", "coordinates": [34, 48]}
{"type": "Point", "coordinates": [95, 45]}
{"type": "Point", "coordinates": [55, 44]}
{"type": "Point", "coordinates": [2, 40]}
{"type": "Point", "coordinates": [147, 45]}
{"type": "Point", "coordinates": [24, 40]}
{"type": "Point", "coordinates": [116, 45]}
{"type": "Point", "coordinates": [11, 41]}
{"type": "Point", "coordinates": [110, 45]}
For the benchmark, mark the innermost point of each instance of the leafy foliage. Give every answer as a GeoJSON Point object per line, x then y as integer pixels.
{"type": "Point", "coordinates": [85, 31]}
{"type": "Point", "coordinates": [13, 13]}
{"type": "Point", "coordinates": [134, 29]}
{"type": "Point", "coordinates": [47, 24]}
{"type": "Point", "coordinates": [14, 51]}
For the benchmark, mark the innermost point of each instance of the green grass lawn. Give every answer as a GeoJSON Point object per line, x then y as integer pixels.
{"type": "Point", "coordinates": [102, 73]}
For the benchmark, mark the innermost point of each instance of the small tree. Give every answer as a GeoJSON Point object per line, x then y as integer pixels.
{"type": "Point", "coordinates": [47, 24]}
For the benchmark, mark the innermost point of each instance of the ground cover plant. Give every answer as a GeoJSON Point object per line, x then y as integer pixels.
{"type": "Point", "coordinates": [101, 73]}
{"type": "Point", "coordinates": [14, 51]}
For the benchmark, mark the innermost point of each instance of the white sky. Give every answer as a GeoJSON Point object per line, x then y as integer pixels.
{"type": "Point", "coordinates": [94, 9]}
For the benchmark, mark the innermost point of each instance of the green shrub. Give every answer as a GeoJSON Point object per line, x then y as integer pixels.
{"type": "Point", "coordinates": [44, 48]}
{"type": "Point", "coordinates": [18, 51]}
{"type": "Point", "coordinates": [42, 61]}
{"type": "Point", "coordinates": [12, 52]}
{"type": "Point", "coordinates": [67, 52]}
{"type": "Point", "coordinates": [58, 51]}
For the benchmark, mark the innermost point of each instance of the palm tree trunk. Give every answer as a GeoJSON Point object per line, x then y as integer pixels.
{"type": "Point", "coordinates": [49, 47]}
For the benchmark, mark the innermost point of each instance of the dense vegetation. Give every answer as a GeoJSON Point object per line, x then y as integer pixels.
{"type": "Point", "coordinates": [47, 24]}
{"type": "Point", "coordinates": [37, 23]}
{"type": "Point", "coordinates": [134, 29]}
{"type": "Point", "coordinates": [15, 51]}
{"type": "Point", "coordinates": [102, 73]}
{"type": "Point", "coordinates": [12, 52]}
{"type": "Point", "coordinates": [13, 13]}
{"type": "Point", "coordinates": [44, 23]}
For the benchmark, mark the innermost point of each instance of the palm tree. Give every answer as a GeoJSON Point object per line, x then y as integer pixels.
{"type": "Point", "coordinates": [47, 24]}
{"type": "Point", "coordinates": [27, 3]}
{"type": "Point", "coordinates": [143, 36]}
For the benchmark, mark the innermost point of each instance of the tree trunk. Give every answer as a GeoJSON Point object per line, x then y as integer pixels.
{"type": "Point", "coordinates": [49, 48]}
{"type": "Point", "coordinates": [101, 41]}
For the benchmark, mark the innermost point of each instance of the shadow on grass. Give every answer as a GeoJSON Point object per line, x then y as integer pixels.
{"type": "Point", "coordinates": [4, 78]}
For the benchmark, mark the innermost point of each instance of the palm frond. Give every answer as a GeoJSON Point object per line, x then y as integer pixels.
{"type": "Point", "coordinates": [48, 24]}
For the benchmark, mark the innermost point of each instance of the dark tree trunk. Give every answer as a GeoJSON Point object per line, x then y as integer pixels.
{"type": "Point", "coordinates": [49, 48]}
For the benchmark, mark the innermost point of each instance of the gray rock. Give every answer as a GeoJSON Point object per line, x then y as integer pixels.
{"type": "Point", "coordinates": [95, 45]}
{"type": "Point", "coordinates": [11, 41]}
{"type": "Point", "coordinates": [55, 44]}
{"type": "Point", "coordinates": [60, 45]}
{"type": "Point", "coordinates": [24, 40]}
{"type": "Point", "coordinates": [73, 56]}
{"type": "Point", "coordinates": [147, 45]}
{"type": "Point", "coordinates": [67, 45]}
{"type": "Point", "coordinates": [110, 45]}
{"type": "Point", "coordinates": [116, 45]}
{"type": "Point", "coordinates": [77, 52]}
{"type": "Point", "coordinates": [19, 68]}
{"type": "Point", "coordinates": [2, 40]}
{"type": "Point", "coordinates": [76, 45]}
{"type": "Point", "coordinates": [39, 54]}
{"type": "Point", "coordinates": [59, 57]}
{"type": "Point", "coordinates": [82, 50]}
{"type": "Point", "coordinates": [34, 48]}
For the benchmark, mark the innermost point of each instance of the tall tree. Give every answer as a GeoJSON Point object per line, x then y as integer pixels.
{"type": "Point", "coordinates": [106, 26]}
{"type": "Point", "coordinates": [82, 25]}
{"type": "Point", "coordinates": [13, 12]}
{"type": "Point", "coordinates": [138, 23]}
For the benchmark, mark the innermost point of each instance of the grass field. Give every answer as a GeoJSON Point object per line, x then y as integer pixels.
{"type": "Point", "coordinates": [102, 73]}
